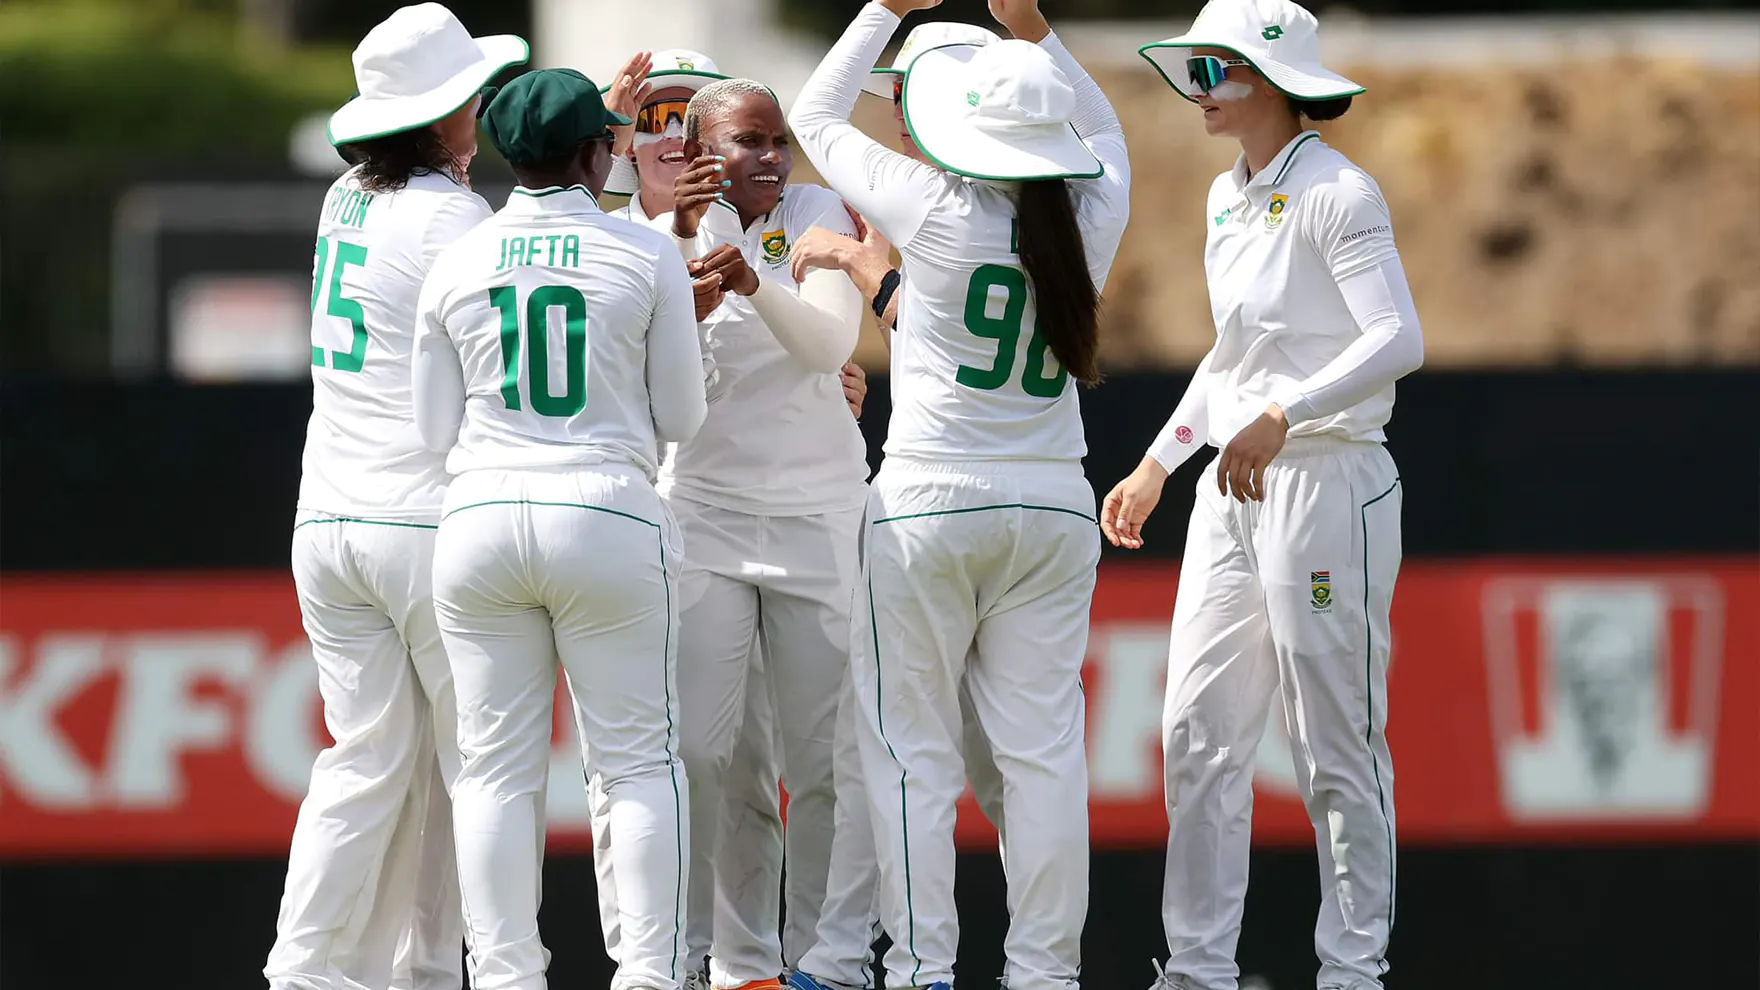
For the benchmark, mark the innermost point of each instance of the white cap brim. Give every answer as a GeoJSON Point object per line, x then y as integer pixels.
{"type": "Point", "coordinates": [879, 82]}
{"type": "Point", "coordinates": [623, 180]}
{"type": "Point", "coordinates": [940, 123]}
{"type": "Point", "coordinates": [1313, 82]}
{"type": "Point", "coordinates": [364, 118]}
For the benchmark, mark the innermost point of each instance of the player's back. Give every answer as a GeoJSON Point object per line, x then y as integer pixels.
{"type": "Point", "coordinates": [548, 304]}
{"type": "Point", "coordinates": [363, 456]}
{"type": "Point", "coordinates": [974, 376]}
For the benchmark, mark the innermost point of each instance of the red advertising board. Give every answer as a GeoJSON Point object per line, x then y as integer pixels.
{"type": "Point", "coordinates": [1530, 701]}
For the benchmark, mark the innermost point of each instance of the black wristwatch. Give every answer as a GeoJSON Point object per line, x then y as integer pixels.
{"type": "Point", "coordinates": [888, 285]}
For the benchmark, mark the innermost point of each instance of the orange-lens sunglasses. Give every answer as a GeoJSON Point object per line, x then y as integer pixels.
{"type": "Point", "coordinates": [653, 118]}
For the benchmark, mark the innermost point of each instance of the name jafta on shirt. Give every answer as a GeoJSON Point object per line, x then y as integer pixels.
{"type": "Point", "coordinates": [553, 250]}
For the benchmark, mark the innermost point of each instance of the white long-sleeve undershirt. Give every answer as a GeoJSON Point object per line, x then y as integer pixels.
{"type": "Point", "coordinates": [1391, 346]}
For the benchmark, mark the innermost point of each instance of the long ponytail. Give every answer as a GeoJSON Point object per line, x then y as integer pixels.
{"type": "Point", "coordinates": [1056, 263]}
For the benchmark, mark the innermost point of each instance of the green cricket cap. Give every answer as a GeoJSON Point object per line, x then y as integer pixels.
{"type": "Point", "coordinates": [546, 114]}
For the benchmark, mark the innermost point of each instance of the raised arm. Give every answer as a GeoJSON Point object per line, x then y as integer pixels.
{"type": "Point", "coordinates": [675, 358]}
{"type": "Point", "coordinates": [893, 191]}
{"type": "Point", "coordinates": [1095, 120]}
{"type": "Point", "coordinates": [436, 376]}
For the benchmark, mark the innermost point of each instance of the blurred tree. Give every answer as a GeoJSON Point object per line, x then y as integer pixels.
{"type": "Point", "coordinates": [155, 76]}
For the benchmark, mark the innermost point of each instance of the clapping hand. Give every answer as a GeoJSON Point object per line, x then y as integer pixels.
{"type": "Point", "coordinates": [628, 92]}
{"type": "Point", "coordinates": [736, 276]}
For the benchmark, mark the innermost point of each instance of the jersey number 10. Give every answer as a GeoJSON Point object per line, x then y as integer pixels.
{"type": "Point", "coordinates": [538, 306]}
{"type": "Point", "coordinates": [1006, 331]}
{"type": "Point", "coordinates": [340, 305]}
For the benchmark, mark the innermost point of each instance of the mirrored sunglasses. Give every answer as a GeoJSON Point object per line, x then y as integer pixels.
{"type": "Point", "coordinates": [653, 118]}
{"type": "Point", "coordinates": [1206, 72]}
{"type": "Point", "coordinates": [897, 90]}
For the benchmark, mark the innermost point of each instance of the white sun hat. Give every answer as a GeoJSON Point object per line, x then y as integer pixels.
{"type": "Point", "coordinates": [922, 38]}
{"type": "Point", "coordinates": [1000, 111]}
{"type": "Point", "coordinates": [674, 68]}
{"type": "Point", "coordinates": [415, 67]}
{"type": "Point", "coordinates": [1280, 38]}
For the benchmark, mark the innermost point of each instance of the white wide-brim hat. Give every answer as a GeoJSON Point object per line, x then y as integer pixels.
{"type": "Point", "coordinates": [1280, 38]}
{"type": "Point", "coordinates": [1000, 111]}
{"type": "Point", "coordinates": [922, 38]}
{"type": "Point", "coordinates": [416, 67]}
{"type": "Point", "coordinates": [675, 68]}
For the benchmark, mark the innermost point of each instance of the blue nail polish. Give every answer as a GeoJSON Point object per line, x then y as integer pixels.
{"type": "Point", "coordinates": [719, 168]}
{"type": "Point", "coordinates": [721, 158]}
{"type": "Point", "coordinates": [718, 196]}
{"type": "Point", "coordinates": [726, 182]}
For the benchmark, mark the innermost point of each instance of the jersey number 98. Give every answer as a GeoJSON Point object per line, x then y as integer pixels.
{"type": "Point", "coordinates": [538, 307]}
{"type": "Point", "coordinates": [1006, 331]}
{"type": "Point", "coordinates": [340, 305]}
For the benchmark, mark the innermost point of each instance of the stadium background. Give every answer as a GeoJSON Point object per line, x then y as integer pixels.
{"type": "Point", "coordinates": [1577, 668]}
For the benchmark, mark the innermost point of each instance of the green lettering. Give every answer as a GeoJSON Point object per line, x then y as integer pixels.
{"type": "Point", "coordinates": [505, 298]}
{"type": "Point", "coordinates": [574, 335]}
{"type": "Point", "coordinates": [1004, 329]}
{"type": "Point", "coordinates": [340, 305]}
{"type": "Point", "coordinates": [503, 262]}
{"type": "Point", "coordinates": [553, 238]}
{"type": "Point", "coordinates": [350, 310]}
{"type": "Point", "coordinates": [571, 251]}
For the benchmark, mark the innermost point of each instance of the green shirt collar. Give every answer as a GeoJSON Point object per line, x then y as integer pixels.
{"type": "Point", "coordinates": [552, 199]}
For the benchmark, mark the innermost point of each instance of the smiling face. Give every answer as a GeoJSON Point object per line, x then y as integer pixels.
{"type": "Point", "coordinates": [754, 139]}
{"type": "Point", "coordinates": [1241, 104]}
{"type": "Point", "coordinates": [660, 158]}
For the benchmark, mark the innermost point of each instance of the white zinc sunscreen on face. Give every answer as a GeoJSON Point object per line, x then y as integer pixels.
{"type": "Point", "coordinates": [1229, 91]}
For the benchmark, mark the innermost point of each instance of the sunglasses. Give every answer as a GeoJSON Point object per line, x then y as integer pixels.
{"type": "Point", "coordinates": [897, 90]}
{"type": "Point", "coordinates": [654, 118]}
{"type": "Point", "coordinates": [1207, 72]}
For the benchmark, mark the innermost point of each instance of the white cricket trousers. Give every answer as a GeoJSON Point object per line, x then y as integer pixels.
{"type": "Point", "coordinates": [783, 582]}
{"type": "Point", "coordinates": [980, 574]}
{"type": "Point", "coordinates": [371, 898]}
{"type": "Point", "coordinates": [1294, 590]}
{"type": "Point", "coordinates": [843, 947]}
{"type": "Point", "coordinates": [575, 565]}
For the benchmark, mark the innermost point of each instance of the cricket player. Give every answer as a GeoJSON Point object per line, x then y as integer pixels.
{"type": "Point", "coordinates": [370, 875]}
{"type": "Point", "coordinates": [842, 954]}
{"type": "Point", "coordinates": [1294, 546]}
{"type": "Point", "coordinates": [647, 174]}
{"type": "Point", "coordinates": [980, 544]}
{"type": "Point", "coordinates": [769, 496]}
{"type": "Point", "coordinates": [565, 341]}
{"type": "Point", "coordinates": [751, 822]}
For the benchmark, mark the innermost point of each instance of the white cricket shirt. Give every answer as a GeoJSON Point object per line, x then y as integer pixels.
{"type": "Point", "coordinates": [1279, 245]}
{"type": "Point", "coordinates": [565, 336]}
{"type": "Point", "coordinates": [363, 456]}
{"type": "Point", "coordinates": [972, 379]}
{"type": "Point", "coordinates": [779, 440]}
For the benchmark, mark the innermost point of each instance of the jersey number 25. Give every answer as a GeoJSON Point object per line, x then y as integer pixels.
{"type": "Point", "coordinates": [340, 305]}
{"type": "Point", "coordinates": [543, 299]}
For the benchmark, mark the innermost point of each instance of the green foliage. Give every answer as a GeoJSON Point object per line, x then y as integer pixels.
{"type": "Point", "coordinates": [153, 77]}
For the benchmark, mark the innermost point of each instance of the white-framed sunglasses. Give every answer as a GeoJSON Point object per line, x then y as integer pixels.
{"type": "Point", "coordinates": [1206, 72]}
